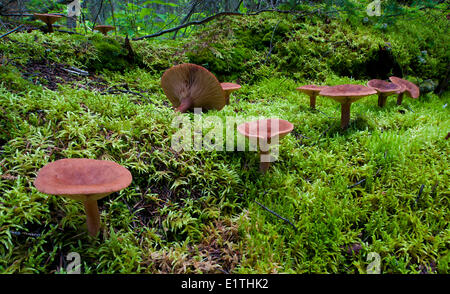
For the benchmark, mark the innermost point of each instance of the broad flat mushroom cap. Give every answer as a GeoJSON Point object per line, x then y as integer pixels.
{"type": "Point", "coordinates": [347, 92]}
{"type": "Point", "coordinates": [230, 86]}
{"type": "Point", "coordinates": [410, 88]}
{"type": "Point", "coordinates": [82, 179]}
{"type": "Point", "coordinates": [195, 83]}
{"type": "Point", "coordinates": [104, 28]}
{"type": "Point", "coordinates": [311, 89]}
{"type": "Point", "coordinates": [384, 87]}
{"type": "Point", "coordinates": [47, 18]}
{"type": "Point", "coordinates": [266, 128]}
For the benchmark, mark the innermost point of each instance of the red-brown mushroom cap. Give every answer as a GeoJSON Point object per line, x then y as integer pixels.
{"type": "Point", "coordinates": [230, 86]}
{"type": "Point", "coordinates": [104, 28]}
{"type": "Point", "coordinates": [47, 18]}
{"type": "Point", "coordinates": [401, 90]}
{"type": "Point", "coordinates": [82, 179]}
{"type": "Point", "coordinates": [410, 88]}
{"type": "Point", "coordinates": [311, 89]}
{"type": "Point", "coordinates": [347, 93]}
{"type": "Point", "coordinates": [266, 128]}
{"type": "Point", "coordinates": [384, 87]}
{"type": "Point", "coordinates": [193, 83]}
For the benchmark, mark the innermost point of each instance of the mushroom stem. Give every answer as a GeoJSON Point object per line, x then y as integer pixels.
{"type": "Point", "coordinates": [400, 98]}
{"type": "Point", "coordinates": [382, 99]}
{"type": "Point", "coordinates": [263, 165]}
{"type": "Point", "coordinates": [185, 105]}
{"type": "Point", "coordinates": [50, 27]}
{"type": "Point", "coordinates": [92, 216]}
{"type": "Point", "coordinates": [345, 114]}
{"type": "Point", "coordinates": [312, 100]}
{"type": "Point", "coordinates": [227, 97]}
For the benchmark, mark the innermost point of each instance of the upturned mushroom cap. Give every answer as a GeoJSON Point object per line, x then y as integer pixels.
{"type": "Point", "coordinates": [347, 92]}
{"type": "Point", "coordinates": [104, 28]}
{"type": "Point", "coordinates": [266, 129]}
{"type": "Point", "coordinates": [194, 86]}
{"type": "Point", "coordinates": [82, 179]}
{"type": "Point", "coordinates": [47, 18]}
{"type": "Point", "coordinates": [311, 89]}
{"type": "Point", "coordinates": [384, 87]}
{"type": "Point", "coordinates": [410, 88]}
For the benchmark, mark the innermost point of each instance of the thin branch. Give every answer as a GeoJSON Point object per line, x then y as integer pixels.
{"type": "Point", "coordinates": [419, 194]}
{"type": "Point", "coordinates": [10, 32]}
{"type": "Point", "coordinates": [188, 16]}
{"type": "Point", "coordinates": [277, 215]}
{"type": "Point", "coordinates": [363, 180]}
{"type": "Point", "coordinates": [27, 14]}
{"type": "Point", "coordinates": [98, 13]}
{"type": "Point", "coordinates": [69, 32]}
{"type": "Point", "coordinates": [113, 17]}
{"type": "Point", "coordinates": [271, 42]}
{"type": "Point", "coordinates": [210, 18]}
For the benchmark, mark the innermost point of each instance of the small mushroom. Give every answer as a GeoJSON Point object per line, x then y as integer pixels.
{"type": "Point", "coordinates": [312, 91]}
{"type": "Point", "coordinates": [49, 19]}
{"type": "Point", "coordinates": [346, 94]}
{"type": "Point", "coordinates": [86, 180]}
{"type": "Point", "coordinates": [228, 88]}
{"type": "Point", "coordinates": [265, 131]}
{"type": "Point", "coordinates": [104, 29]}
{"type": "Point", "coordinates": [410, 89]}
{"type": "Point", "coordinates": [189, 86]}
{"type": "Point", "coordinates": [384, 89]}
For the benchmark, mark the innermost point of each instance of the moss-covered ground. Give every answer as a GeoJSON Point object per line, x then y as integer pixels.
{"type": "Point", "coordinates": [380, 186]}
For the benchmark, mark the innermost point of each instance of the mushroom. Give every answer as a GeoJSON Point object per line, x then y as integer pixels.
{"type": "Point", "coordinates": [384, 89]}
{"type": "Point", "coordinates": [189, 85]}
{"type": "Point", "coordinates": [86, 180]}
{"type": "Point", "coordinates": [228, 88]}
{"type": "Point", "coordinates": [265, 131]}
{"type": "Point", "coordinates": [104, 29]}
{"type": "Point", "coordinates": [49, 19]}
{"type": "Point", "coordinates": [312, 91]}
{"type": "Point", "coordinates": [410, 89]}
{"type": "Point", "coordinates": [346, 94]}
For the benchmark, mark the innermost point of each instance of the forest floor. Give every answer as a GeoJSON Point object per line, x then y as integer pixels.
{"type": "Point", "coordinates": [381, 186]}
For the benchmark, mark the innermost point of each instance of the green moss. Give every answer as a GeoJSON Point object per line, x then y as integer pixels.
{"type": "Point", "coordinates": [11, 78]}
{"type": "Point", "coordinates": [110, 55]}
{"type": "Point", "coordinates": [183, 206]}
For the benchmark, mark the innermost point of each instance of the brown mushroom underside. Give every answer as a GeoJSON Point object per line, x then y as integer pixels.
{"type": "Point", "coordinates": [104, 29]}
{"type": "Point", "coordinates": [48, 19]}
{"type": "Point", "coordinates": [189, 86]}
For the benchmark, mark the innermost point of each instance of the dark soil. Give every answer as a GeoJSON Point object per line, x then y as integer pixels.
{"type": "Point", "coordinates": [51, 74]}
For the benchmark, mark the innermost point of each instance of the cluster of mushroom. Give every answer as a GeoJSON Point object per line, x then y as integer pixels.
{"type": "Point", "coordinates": [347, 94]}
{"type": "Point", "coordinates": [50, 19]}
{"type": "Point", "coordinates": [189, 86]}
